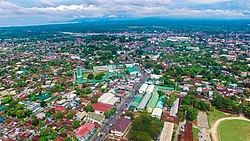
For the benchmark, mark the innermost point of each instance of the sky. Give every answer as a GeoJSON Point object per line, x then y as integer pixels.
{"type": "Point", "coordinates": [28, 12]}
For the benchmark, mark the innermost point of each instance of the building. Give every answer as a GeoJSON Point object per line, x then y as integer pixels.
{"type": "Point", "coordinates": [100, 108]}
{"type": "Point", "coordinates": [93, 117]}
{"type": "Point", "coordinates": [174, 108]}
{"type": "Point", "coordinates": [143, 88]}
{"type": "Point", "coordinates": [167, 131]}
{"type": "Point", "coordinates": [84, 132]}
{"type": "Point", "coordinates": [152, 102]}
{"type": "Point", "coordinates": [150, 89]}
{"type": "Point", "coordinates": [108, 98]}
{"type": "Point", "coordinates": [187, 135]}
{"type": "Point", "coordinates": [144, 101]}
{"type": "Point", "coordinates": [135, 103]}
{"type": "Point", "coordinates": [79, 76]}
{"type": "Point", "coordinates": [81, 115]}
{"type": "Point", "coordinates": [120, 128]}
{"type": "Point", "coordinates": [157, 112]}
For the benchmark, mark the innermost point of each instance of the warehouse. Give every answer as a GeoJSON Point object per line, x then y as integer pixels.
{"type": "Point", "coordinates": [108, 98]}
{"type": "Point", "coordinates": [167, 131]}
{"type": "Point", "coordinates": [144, 101]}
{"type": "Point", "coordinates": [152, 102]}
{"type": "Point", "coordinates": [157, 112]}
{"type": "Point", "coordinates": [150, 89]}
{"type": "Point", "coordinates": [135, 102]}
{"type": "Point", "coordinates": [174, 108]}
{"type": "Point", "coordinates": [143, 88]}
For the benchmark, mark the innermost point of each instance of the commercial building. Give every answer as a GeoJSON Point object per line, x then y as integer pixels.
{"type": "Point", "coordinates": [167, 131]}
{"type": "Point", "coordinates": [108, 98]}
{"type": "Point", "coordinates": [152, 102]}
{"type": "Point", "coordinates": [144, 101]}
{"type": "Point", "coordinates": [135, 103]}
{"type": "Point", "coordinates": [120, 128]}
{"type": "Point", "coordinates": [143, 88]}
{"type": "Point", "coordinates": [100, 108]}
{"type": "Point", "coordinates": [157, 112]}
{"type": "Point", "coordinates": [150, 89]}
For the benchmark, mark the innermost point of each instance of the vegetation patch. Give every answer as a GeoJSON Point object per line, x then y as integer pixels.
{"type": "Point", "coordinates": [234, 130]}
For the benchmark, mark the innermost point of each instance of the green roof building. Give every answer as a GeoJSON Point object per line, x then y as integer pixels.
{"type": "Point", "coordinates": [135, 103]}
{"type": "Point", "coordinates": [79, 76]}
{"type": "Point", "coordinates": [152, 102]}
{"type": "Point", "coordinates": [160, 102]}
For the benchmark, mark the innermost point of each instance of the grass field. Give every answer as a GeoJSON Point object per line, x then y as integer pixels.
{"type": "Point", "coordinates": [234, 130]}
{"type": "Point", "coordinates": [213, 116]}
{"type": "Point", "coordinates": [195, 133]}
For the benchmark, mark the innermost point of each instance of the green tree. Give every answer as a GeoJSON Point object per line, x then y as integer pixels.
{"type": "Point", "coordinates": [76, 124]}
{"type": "Point", "coordinates": [59, 115]}
{"type": "Point", "coordinates": [70, 116]}
{"type": "Point", "coordinates": [89, 108]}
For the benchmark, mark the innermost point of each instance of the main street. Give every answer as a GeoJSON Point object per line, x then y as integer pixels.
{"type": "Point", "coordinates": [104, 129]}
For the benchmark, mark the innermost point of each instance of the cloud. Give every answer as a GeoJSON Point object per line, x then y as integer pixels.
{"type": "Point", "coordinates": [67, 10]}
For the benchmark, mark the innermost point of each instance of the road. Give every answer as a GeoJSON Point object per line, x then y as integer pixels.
{"type": "Point", "coordinates": [214, 130]}
{"type": "Point", "coordinates": [202, 124]}
{"type": "Point", "coordinates": [104, 129]}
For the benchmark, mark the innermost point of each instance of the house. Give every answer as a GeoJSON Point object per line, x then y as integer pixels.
{"type": "Point", "coordinates": [93, 117]}
{"type": "Point", "coordinates": [120, 128]}
{"type": "Point", "coordinates": [84, 132]}
{"type": "Point", "coordinates": [100, 108]}
{"type": "Point", "coordinates": [81, 115]}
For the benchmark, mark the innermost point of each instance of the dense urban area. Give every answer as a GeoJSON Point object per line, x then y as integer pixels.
{"type": "Point", "coordinates": [125, 80]}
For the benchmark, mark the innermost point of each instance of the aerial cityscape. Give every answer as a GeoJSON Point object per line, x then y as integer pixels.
{"type": "Point", "coordinates": [140, 70]}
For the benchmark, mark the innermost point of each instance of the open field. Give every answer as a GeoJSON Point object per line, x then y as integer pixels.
{"type": "Point", "coordinates": [234, 130]}
{"type": "Point", "coordinates": [215, 115]}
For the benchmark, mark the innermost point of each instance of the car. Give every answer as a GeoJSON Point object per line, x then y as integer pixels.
{"type": "Point", "coordinates": [110, 124]}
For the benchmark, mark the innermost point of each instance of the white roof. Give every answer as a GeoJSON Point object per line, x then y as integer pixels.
{"type": "Point", "coordinates": [144, 101]}
{"type": "Point", "coordinates": [113, 100]}
{"type": "Point", "coordinates": [143, 88]}
{"type": "Point", "coordinates": [108, 98]}
{"type": "Point", "coordinates": [157, 112]}
{"type": "Point", "coordinates": [174, 108]}
{"type": "Point", "coordinates": [105, 97]}
{"type": "Point", "coordinates": [167, 131]}
{"type": "Point", "coordinates": [150, 88]}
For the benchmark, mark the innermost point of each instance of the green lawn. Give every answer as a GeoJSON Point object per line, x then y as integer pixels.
{"type": "Point", "coordinates": [234, 130]}
{"type": "Point", "coordinates": [195, 133]}
{"type": "Point", "coordinates": [215, 115]}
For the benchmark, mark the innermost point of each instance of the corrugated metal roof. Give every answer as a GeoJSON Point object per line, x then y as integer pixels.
{"type": "Point", "coordinates": [144, 101]}
{"type": "Point", "coordinates": [153, 100]}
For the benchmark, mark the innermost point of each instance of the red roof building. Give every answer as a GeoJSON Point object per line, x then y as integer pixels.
{"type": "Point", "coordinates": [59, 108]}
{"type": "Point", "coordinates": [101, 108]}
{"type": "Point", "coordinates": [85, 131]}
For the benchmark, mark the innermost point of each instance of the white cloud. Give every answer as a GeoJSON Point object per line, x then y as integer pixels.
{"type": "Point", "coordinates": [117, 8]}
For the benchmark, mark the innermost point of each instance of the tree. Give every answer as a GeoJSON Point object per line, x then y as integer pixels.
{"type": "Point", "coordinates": [90, 76]}
{"type": "Point", "coordinates": [145, 128]}
{"type": "Point", "coordinates": [70, 116]}
{"type": "Point", "coordinates": [89, 108]}
{"type": "Point", "coordinates": [88, 90]}
{"type": "Point", "coordinates": [34, 120]}
{"type": "Point", "coordinates": [75, 124]}
{"type": "Point", "coordinates": [95, 99]}
{"type": "Point", "coordinates": [59, 115]}
{"type": "Point", "coordinates": [107, 114]}
{"type": "Point", "coordinates": [161, 93]}
{"type": "Point", "coordinates": [67, 139]}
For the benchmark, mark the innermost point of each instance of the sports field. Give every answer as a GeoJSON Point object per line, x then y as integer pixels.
{"type": "Point", "coordinates": [234, 130]}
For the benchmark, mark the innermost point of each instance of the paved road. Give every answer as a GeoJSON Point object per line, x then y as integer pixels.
{"type": "Point", "coordinates": [214, 130]}
{"type": "Point", "coordinates": [104, 129]}
{"type": "Point", "coordinates": [202, 124]}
